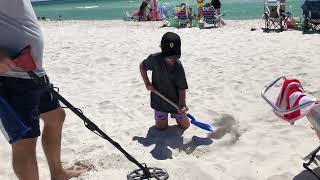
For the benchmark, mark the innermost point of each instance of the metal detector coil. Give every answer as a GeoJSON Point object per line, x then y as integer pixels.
{"type": "Point", "coordinates": [154, 174]}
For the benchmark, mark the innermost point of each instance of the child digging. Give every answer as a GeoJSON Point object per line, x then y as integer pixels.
{"type": "Point", "coordinates": [168, 78]}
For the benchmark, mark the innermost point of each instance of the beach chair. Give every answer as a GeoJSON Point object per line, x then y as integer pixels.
{"type": "Point", "coordinates": [181, 15]}
{"type": "Point", "coordinates": [293, 104]}
{"type": "Point", "coordinates": [311, 13]}
{"type": "Point", "coordinates": [210, 17]}
{"type": "Point", "coordinates": [274, 15]}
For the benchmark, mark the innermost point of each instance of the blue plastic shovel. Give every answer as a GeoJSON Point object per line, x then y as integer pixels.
{"type": "Point", "coordinates": [201, 125]}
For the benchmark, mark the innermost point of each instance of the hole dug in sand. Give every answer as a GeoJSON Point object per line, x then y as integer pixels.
{"type": "Point", "coordinates": [226, 130]}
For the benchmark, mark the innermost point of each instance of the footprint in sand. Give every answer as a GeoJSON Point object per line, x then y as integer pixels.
{"type": "Point", "coordinates": [191, 171]}
{"type": "Point", "coordinates": [211, 113]}
{"type": "Point", "coordinates": [102, 60]}
{"type": "Point", "coordinates": [115, 110]}
{"type": "Point", "coordinates": [212, 89]}
{"type": "Point", "coordinates": [205, 59]}
{"type": "Point", "coordinates": [68, 151]}
{"type": "Point", "coordinates": [84, 166]}
{"type": "Point", "coordinates": [64, 70]}
{"type": "Point", "coordinates": [198, 100]}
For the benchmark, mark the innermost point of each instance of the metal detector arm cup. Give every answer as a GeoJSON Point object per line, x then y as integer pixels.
{"type": "Point", "coordinates": [276, 108]}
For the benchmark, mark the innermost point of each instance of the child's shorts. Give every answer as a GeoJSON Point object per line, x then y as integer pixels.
{"type": "Point", "coordinates": [160, 116]}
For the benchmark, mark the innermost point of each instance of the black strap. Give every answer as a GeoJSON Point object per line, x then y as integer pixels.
{"type": "Point", "coordinates": [89, 124]}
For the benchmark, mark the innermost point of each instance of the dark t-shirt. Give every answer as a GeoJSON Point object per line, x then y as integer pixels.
{"type": "Point", "coordinates": [143, 8]}
{"type": "Point", "coordinates": [143, 5]}
{"type": "Point", "coordinates": [216, 4]}
{"type": "Point", "coordinates": [167, 79]}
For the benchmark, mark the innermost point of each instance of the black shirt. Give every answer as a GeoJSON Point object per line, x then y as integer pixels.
{"type": "Point", "coordinates": [167, 79]}
{"type": "Point", "coordinates": [143, 5]}
{"type": "Point", "coordinates": [216, 4]}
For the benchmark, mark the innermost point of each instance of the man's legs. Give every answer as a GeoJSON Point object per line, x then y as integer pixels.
{"type": "Point", "coordinates": [53, 117]}
{"type": "Point", "coordinates": [24, 159]}
{"type": "Point", "coordinates": [51, 143]}
{"type": "Point", "coordinates": [23, 97]}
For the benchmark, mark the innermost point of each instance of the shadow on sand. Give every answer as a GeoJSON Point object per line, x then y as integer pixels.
{"type": "Point", "coordinates": [171, 137]}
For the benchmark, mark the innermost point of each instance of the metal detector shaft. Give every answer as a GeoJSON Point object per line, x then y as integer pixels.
{"type": "Point", "coordinates": [89, 124]}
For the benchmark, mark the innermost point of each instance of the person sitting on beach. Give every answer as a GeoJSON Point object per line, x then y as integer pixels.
{"type": "Point", "coordinates": [142, 11]}
{"type": "Point", "coordinates": [190, 16]}
{"type": "Point", "coordinates": [200, 6]}
{"type": "Point", "coordinates": [168, 78]}
{"type": "Point", "coordinates": [217, 5]}
{"type": "Point", "coordinates": [274, 10]}
{"type": "Point", "coordinates": [60, 18]}
{"type": "Point", "coordinates": [183, 5]}
{"type": "Point", "coordinates": [282, 6]}
{"type": "Point", "coordinates": [154, 11]}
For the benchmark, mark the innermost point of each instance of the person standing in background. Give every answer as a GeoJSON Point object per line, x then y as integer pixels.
{"type": "Point", "coordinates": [200, 6]}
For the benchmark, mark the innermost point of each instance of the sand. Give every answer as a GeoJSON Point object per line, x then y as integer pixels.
{"type": "Point", "coordinates": [95, 65]}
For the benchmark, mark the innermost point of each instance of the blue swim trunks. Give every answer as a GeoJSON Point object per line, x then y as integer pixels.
{"type": "Point", "coordinates": [28, 100]}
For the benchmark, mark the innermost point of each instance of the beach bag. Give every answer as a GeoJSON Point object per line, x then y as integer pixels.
{"type": "Point", "coordinates": [290, 23]}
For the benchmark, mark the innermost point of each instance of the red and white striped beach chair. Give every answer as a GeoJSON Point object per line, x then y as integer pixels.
{"type": "Point", "coordinates": [292, 104]}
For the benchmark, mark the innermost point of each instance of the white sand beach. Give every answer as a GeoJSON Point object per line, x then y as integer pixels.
{"type": "Point", "coordinates": [95, 65]}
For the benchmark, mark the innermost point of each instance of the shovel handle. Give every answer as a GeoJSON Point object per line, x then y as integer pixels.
{"type": "Point", "coordinates": [166, 99]}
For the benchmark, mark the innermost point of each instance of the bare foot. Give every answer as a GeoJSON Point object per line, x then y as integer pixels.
{"type": "Point", "coordinates": [67, 174]}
